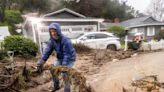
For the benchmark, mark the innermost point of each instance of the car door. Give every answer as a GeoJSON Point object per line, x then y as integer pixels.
{"type": "Point", "coordinates": [89, 41]}
{"type": "Point", "coordinates": [101, 40]}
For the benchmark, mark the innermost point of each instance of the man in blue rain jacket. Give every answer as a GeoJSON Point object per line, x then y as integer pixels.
{"type": "Point", "coordinates": [66, 54]}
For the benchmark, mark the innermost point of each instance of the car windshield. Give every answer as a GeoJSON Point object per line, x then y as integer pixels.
{"type": "Point", "coordinates": [75, 35]}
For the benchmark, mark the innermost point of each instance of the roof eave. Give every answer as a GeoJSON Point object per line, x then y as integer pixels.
{"type": "Point", "coordinates": [67, 20]}
{"type": "Point", "coordinates": [65, 9]}
{"type": "Point", "coordinates": [158, 24]}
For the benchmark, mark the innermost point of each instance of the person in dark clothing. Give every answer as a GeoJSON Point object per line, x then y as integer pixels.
{"type": "Point", "coordinates": [66, 54]}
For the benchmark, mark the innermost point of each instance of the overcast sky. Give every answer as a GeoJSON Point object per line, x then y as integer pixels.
{"type": "Point", "coordinates": [140, 5]}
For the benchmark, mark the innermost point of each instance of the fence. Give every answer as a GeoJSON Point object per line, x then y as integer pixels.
{"type": "Point", "coordinates": [152, 45]}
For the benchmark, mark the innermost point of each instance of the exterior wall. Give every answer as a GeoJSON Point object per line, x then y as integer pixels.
{"type": "Point", "coordinates": [144, 30]}
{"type": "Point", "coordinates": [157, 29]}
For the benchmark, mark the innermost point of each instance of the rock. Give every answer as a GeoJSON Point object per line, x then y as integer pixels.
{"type": "Point", "coordinates": [115, 60]}
{"type": "Point", "coordinates": [135, 54]}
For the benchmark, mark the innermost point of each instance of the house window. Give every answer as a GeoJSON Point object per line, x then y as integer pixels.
{"type": "Point", "coordinates": [135, 30]}
{"type": "Point", "coordinates": [150, 31]}
{"type": "Point", "coordinates": [77, 29]}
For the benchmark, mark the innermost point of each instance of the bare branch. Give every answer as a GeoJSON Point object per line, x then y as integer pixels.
{"type": "Point", "coordinates": [156, 9]}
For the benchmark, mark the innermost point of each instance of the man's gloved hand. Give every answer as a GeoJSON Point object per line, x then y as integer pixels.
{"type": "Point", "coordinates": [40, 64]}
{"type": "Point", "coordinates": [39, 68]}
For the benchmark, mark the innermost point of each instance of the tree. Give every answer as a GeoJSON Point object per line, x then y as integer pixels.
{"type": "Point", "coordinates": [34, 5]}
{"type": "Point", "coordinates": [26, 5]}
{"type": "Point", "coordinates": [117, 30]}
{"type": "Point", "coordinates": [91, 8]}
{"type": "Point", "coordinates": [109, 9]}
{"type": "Point", "coordinates": [116, 9]}
{"type": "Point", "coordinates": [13, 16]}
{"type": "Point", "coordinates": [2, 10]}
{"type": "Point", "coordinates": [156, 9]}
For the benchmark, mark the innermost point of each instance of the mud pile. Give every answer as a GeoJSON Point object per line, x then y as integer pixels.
{"type": "Point", "coordinates": [104, 56]}
{"type": "Point", "coordinates": [91, 62]}
{"type": "Point", "coordinates": [23, 76]}
{"type": "Point", "coordinates": [20, 77]}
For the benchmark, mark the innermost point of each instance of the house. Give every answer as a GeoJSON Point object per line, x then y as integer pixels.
{"type": "Point", "coordinates": [70, 21]}
{"type": "Point", "coordinates": [147, 25]}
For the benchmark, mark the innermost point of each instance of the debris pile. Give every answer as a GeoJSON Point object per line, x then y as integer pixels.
{"type": "Point", "coordinates": [103, 56]}
{"type": "Point", "coordinates": [77, 80]}
{"type": "Point", "coordinates": [24, 77]}
{"type": "Point", "coordinates": [20, 77]}
{"type": "Point", "coordinates": [148, 83]}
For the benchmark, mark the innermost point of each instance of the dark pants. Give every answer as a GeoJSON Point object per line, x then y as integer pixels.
{"type": "Point", "coordinates": [56, 83]}
{"type": "Point", "coordinates": [64, 75]}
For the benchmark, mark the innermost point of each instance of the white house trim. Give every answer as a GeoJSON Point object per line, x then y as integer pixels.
{"type": "Point", "coordinates": [64, 9]}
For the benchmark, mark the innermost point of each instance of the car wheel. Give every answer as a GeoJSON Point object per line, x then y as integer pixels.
{"type": "Point", "coordinates": [112, 47]}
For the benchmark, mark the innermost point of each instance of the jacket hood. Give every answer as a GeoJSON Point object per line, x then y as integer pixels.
{"type": "Point", "coordinates": [57, 27]}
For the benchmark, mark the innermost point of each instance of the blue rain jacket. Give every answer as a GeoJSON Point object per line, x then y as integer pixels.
{"type": "Point", "coordinates": [63, 47]}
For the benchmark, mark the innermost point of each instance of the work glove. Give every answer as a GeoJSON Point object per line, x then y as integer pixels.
{"type": "Point", "coordinates": [40, 64]}
{"type": "Point", "coordinates": [39, 68]}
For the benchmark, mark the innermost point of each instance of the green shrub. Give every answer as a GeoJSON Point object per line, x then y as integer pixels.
{"type": "Point", "coordinates": [119, 31]}
{"type": "Point", "coordinates": [20, 45]}
{"type": "Point", "coordinates": [13, 16]}
{"type": "Point", "coordinates": [3, 54]}
{"type": "Point", "coordinates": [81, 48]}
{"type": "Point", "coordinates": [161, 34]}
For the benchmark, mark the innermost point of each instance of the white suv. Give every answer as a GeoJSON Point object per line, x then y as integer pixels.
{"type": "Point", "coordinates": [96, 40]}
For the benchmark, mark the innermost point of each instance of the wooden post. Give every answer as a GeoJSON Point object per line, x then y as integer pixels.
{"type": "Point", "coordinates": [126, 42]}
